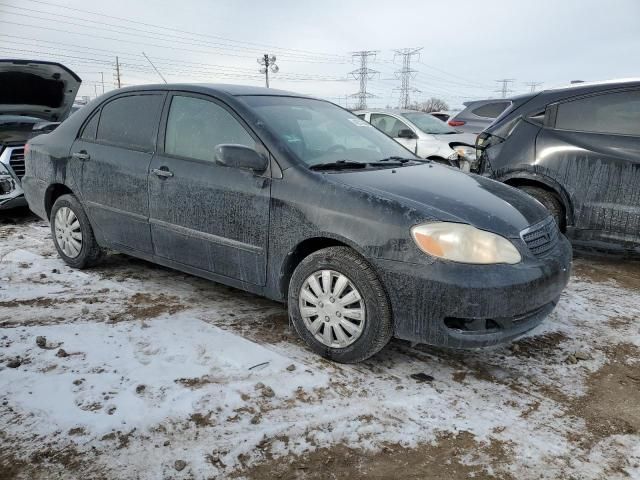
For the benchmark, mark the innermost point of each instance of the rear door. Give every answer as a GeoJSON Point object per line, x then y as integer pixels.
{"type": "Point", "coordinates": [204, 215]}
{"type": "Point", "coordinates": [115, 148]}
{"type": "Point", "coordinates": [591, 146]}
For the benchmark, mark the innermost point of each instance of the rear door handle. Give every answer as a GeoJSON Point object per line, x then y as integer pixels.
{"type": "Point", "coordinates": [81, 155]}
{"type": "Point", "coordinates": [162, 172]}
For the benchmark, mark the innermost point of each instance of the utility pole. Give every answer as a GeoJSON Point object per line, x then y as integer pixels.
{"type": "Point", "coordinates": [102, 81]}
{"type": "Point", "coordinates": [268, 62]}
{"type": "Point", "coordinates": [505, 90]}
{"type": "Point", "coordinates": [117, 72]}
{"type": "Point", "coordinates": [406, 74]}
{"type": "Point", "coordinates": [363, 74]}
{"type": "Point", "coordinates": [533, 85]}
{"type": "Point", "coordinates": [95, 88]}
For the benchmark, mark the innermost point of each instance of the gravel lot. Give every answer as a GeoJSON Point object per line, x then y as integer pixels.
{"type": "Point", "coordinates": [148, 373]}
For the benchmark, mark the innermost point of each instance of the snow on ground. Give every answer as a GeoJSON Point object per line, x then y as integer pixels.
{"type": "Point", "coordinates": [159, 367]}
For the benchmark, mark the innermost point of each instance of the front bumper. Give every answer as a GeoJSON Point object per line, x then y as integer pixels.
{"type": "Point", "coordinates": [467, 306]}
{"type": "Point", "coordinates": [11, 193]}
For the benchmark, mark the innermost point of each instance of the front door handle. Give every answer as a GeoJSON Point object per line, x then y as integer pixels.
{"type": "Point", "coordinates": [162, 172]}
{"type": "Point", "coordinates": [81, 155]}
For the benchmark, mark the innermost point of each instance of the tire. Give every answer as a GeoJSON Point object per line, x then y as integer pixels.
{"type": "Point", "coordinates": [550, 201]}
{"type": "Point", "coordinates": [373, 332]}
{"type": "Point", "coordinates": [89, 253]}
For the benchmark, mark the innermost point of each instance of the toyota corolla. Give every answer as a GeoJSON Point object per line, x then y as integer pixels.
{"type": "Point", "coordinates": [297, 199]}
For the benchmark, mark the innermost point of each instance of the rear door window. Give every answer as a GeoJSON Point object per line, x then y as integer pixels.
{"type": "Point", "coordinates": [490, 110]}
{"type": "Point", "coordinates": [613, 113]}
{"type": "Point", "coordinates": [131, 121]}
{"type": "Point", "coordinates": [195, 127]}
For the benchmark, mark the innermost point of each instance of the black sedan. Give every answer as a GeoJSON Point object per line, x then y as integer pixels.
{"type": "Point", "coordinates": [298, 200]}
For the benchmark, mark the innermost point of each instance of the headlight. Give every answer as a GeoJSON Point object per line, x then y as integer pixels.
{"type": "Point", "coordinates": [463, 243]}
{"type": "Point", "coordinates": [453, 156]}
{"type": "Point", "coordinates": [466, 152]}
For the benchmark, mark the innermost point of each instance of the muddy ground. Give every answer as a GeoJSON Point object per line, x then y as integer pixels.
{"type": "Point", "coordinates": [150, 373]}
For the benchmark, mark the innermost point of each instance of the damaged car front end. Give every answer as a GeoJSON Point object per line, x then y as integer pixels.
{"type": "Point", "coordinates": [35, 97]}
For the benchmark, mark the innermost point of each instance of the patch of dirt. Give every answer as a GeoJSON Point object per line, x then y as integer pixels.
{"type": "Point", "coordinates": [143, 306]}
{"type": "Point", "coordinates": [46, 302]}
{"type": "Point", "coordinates": [538, 346]}
{"type": "Point", "coordinates": [446, 458]}
{"type": "Point", "coordinates": [197, 382]}
{"type": "Point", "coordinates": [625, 273]}
{"type": "Point", "coordinates": [611, 405]}
{"type": "Point", "coordinates": [271, 329]}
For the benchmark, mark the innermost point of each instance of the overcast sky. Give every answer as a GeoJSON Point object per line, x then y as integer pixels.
{"type": "Point", "coordinates": [467, 45]}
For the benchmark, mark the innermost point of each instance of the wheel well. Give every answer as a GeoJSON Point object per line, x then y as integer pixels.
{"type": "Point", "coordinates": [303, 250]}
{"type": "Point", "coordinates": [51, 195]}
{"type": "Point", "coordinates": [525, 182]}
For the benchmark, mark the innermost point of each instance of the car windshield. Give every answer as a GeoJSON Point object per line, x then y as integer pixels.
{"type": "Point", "coordinates": [318, 132]}
{"type": "Point", "coordinates": [428, 123]}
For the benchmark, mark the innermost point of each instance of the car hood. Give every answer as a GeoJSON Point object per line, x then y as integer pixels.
{"type": "Point", "coordinates": [465, 138]}
{"type": "Point", "coordinates": [447, 194]}
{"type": "Point", "coordinates": [36, 88]}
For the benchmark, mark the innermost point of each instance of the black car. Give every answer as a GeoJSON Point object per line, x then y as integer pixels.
{"type": "Point", "coordinates": [297, 199]}
{"type": "Point", "coordinates": [34, 97]}
{"type": "Point", "coordinates": [576, 150]}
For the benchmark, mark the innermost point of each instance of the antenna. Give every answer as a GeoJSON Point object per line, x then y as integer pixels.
{"type": "Point", "coordinates": [154, 67]}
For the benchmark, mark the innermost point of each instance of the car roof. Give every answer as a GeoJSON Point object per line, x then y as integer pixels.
{"type": "Point", "coordinates": [224, 88]}
{"type": "Point", "coordinates": [587, 87]}
{"type": "Point", "coordinates": [397, 111]}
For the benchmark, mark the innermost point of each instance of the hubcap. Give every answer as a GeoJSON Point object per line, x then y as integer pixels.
{"type": "Point", "coordinates": [332, 308]}
{"type": "Point", "coordinates": [68, 232]}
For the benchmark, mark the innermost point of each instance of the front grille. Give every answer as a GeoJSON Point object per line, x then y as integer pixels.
{"type": "Point", "coordinates": [542, 237]}
{"type": "Point", "coordinates": [16, 161]}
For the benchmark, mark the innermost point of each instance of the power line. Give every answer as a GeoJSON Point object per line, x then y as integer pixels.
{"type": "Point", "coordinates": [256, 46]}
{"type": "Point", "coordinates": [406, 74]}
{"type": "Point", "coordinates": [505, 90]}
{"type": "Point", "coordinates": [363, 74]}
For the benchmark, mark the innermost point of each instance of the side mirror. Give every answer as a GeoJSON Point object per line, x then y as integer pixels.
{"type": "Point", "coordinates": [239, 156]}
{"type": "Point", "coordinates": [406, 133]}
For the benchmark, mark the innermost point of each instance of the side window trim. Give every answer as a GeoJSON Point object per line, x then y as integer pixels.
{"type": "Point", "coordinates": [162, 130]}
{"type": "Point", "coordinates": [124, 95]}
{"type": "Point", "coordinates": [85, 124]}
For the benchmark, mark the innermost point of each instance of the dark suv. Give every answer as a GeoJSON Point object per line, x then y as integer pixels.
{"type": "Point", "coordinates": [577, 151]}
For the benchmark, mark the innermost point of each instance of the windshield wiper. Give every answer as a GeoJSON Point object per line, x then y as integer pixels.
{"type": "Point", "coordinates": [338, 165]}
{"type": "Point", "coordinates": [395, 160]}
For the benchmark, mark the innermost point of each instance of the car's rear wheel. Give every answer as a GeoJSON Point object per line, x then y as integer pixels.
{"type": "Point", "coordinates": [550, 201]}
{"type": "Point", "coordinates": [72, 233]}
{"type": "Point", "coordinates": [338, 305]}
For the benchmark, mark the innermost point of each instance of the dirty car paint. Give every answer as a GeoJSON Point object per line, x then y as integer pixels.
{"type": "Point", "coordinates": [250, 230]}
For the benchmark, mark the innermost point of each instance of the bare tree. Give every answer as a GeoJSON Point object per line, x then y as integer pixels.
{"type": "Point", "coordinates": [433, 104]}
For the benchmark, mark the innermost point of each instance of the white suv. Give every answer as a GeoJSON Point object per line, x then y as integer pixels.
{"type": "Point", "coordinates": [424, 135]}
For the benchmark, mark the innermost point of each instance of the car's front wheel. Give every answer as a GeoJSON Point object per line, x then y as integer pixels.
{"type": "Point", "coordinates": [338, 305]}
{"type": "Point", "coordinates": [72, 233]}
{"type": "Point", "coordinates": [550, 201]}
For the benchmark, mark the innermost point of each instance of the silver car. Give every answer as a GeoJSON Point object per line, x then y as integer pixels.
{"type": "Point", "coordinates": [424, 135]}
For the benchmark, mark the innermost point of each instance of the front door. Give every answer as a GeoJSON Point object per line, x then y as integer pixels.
{"type": "Point", "coordinates": [115, 149]}
{"type": "Point", "coordinates": [392, 126]}
{"type": "Point", "coordinates": [204, 215]}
